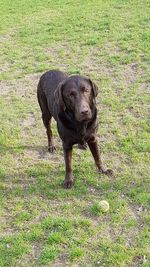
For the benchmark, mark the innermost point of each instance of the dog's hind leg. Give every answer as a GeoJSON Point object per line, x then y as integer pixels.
{"type": "Point", "coordinates": [46, 117]}
{"type": "Point", "coordinates": [47, 123]}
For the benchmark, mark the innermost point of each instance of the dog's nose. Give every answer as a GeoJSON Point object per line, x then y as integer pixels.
{"type": "Point", "coordinates": [84, 111]}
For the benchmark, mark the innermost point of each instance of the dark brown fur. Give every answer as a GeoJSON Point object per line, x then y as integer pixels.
{"type": "Point", "coordinates": [71, 101]}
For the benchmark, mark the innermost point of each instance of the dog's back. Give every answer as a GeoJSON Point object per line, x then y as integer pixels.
{"type": "Point", "coordinates": [46, 88]}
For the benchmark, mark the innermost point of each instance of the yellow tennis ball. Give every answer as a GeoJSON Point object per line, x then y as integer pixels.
{"type": "Point", "coordinates": [104, 205]}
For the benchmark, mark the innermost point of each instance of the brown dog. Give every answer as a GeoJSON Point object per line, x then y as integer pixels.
{"type": "Point", "coordinates": [71, 101]}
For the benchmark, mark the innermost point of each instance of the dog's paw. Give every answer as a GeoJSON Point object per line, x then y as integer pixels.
{"type": "Point", "coordinates": [108, 172]}
{"type": "Point", "coordinates": [51, 149]}
{"type": "Point", "coordinates": [68, 184]}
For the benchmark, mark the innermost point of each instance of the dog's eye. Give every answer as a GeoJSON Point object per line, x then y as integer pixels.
{"type": "Point", "coordinates": [85, 90]}
{"type": "Point", "coordinates": [72, 94]}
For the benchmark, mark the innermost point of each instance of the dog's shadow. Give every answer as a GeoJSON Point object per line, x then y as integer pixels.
{"type": "Point", "coordinates": [42, 150]}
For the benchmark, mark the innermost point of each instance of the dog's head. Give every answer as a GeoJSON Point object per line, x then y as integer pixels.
{"type": "Point", "coordinates": [77, 94]}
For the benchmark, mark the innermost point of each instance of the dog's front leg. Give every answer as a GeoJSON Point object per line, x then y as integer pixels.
{"type": "Point", "coordinates": [68, 158]}
{"type": "Point", "coordinates": [92, 143]}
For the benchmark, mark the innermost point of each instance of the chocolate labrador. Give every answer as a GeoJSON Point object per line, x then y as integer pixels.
{"type": "Point", "coordinates": [71, 101]}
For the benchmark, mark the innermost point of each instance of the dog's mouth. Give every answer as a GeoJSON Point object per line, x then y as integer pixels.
{"type": "Point", "coordinates": [86, 117]}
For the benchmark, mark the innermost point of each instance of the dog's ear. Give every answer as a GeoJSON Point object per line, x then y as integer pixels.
{"type": "Point", "coordinates": [94, 88]}
{"type": "Point", "coordinates": [58, 95]}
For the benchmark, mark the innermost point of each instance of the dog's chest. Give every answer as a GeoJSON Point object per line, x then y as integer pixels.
{"type": "Point", "coordinates": [76, 134]}
{"type": "Point", "coordinates": [72, 131]}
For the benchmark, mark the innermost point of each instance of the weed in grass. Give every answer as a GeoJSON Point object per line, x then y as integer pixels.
{"type": "Point", "coordinates": [48, 254]}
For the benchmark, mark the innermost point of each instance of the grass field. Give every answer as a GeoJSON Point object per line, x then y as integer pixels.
{"type": "Point", "coordinates": [42, 224]}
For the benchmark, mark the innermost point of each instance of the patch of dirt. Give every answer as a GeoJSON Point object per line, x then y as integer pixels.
{"type": "Point", "coordinates": [23, 87]}
{"type": "Point", "coordinates": [59, 52]}
{"type": "Point", "coordinates": [145, 87]}
{"type": "Point", "coordinates": [92, 64]}
{"type": "Point", "coordinates": [37, 153]}
{"type": "Point", "coordinates": [130, 73]}
{"type": "Point", "coordinates": [5, 87]}
{"type": "Point", "coordinates": [61, 262]}
{"type": "Point", "coordinates": [130, 233]}
{"type": "Point", "coordinates": [36, 250]}
{"type": "Point", "coordinates": [30, 258]}
{"type": "Point", "coordinates": [6, 225]}
{"type": "Point", "coordinates": [138, 212]}
{"type": "Point", "coordinates": [5, 67]}
{"type": "Point", "coordinates": [90, 61]}
{"type": "Point", "coordinates": [138, 261]}
{"type": "Point", "coordinates": [30, 121]}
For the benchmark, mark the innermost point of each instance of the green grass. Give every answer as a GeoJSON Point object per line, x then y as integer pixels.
{"type": "Point", "coordinates": [41, 224]}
